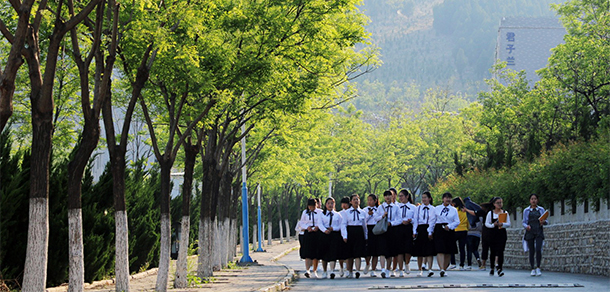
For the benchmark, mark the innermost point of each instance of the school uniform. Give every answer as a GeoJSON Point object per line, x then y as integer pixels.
{"type": "Point", "coordinates": [535, 236]}
{"type": "Point", "coordinates": [423, 226]}
{"type": "Point", "coordinates": [387, 240]}
{"type": "Point", "coordinates": [444, 240]}
{"type": "Point", "coordinates": [404, 232]}
{"type": "Point", "coordinates": [328, 244]}
{"type": "Point", "coordinates": [372, 242]}
{"type": "Point", "coordinates": [497, 238]}
{"type": "Point", "coordinates": [342, 253]}
{"type": "Point", "coordinates": [309, 246]}
{"type": "Point", "coordinates": [355, 224]}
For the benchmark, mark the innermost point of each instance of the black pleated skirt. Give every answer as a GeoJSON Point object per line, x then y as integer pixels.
{"type": "Point", "coordinates": [356, 242]}
{"type": "Point", "coordinates": [404, 239]}
{"type": "Point", "coordinates": [389, 242]}
{"type": "Point", "coordinates": [444, 241]}
{"type": "Point", "coordinates": [372, 243]}
{"type": "Point", "coordinates": [329, 245]}
{"type": "Point", "coordinates": [309, 245]}
{"type": "Point", "coordinates": [422, 245]}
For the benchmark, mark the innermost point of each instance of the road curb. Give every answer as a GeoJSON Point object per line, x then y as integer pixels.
{"type": "Point", "coordinates": [290, 277]}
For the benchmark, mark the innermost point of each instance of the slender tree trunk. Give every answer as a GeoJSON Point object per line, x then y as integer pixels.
{"type": "Point", "coordinates": [164, 256]}
{"type": "Point", "coordinates": [76, 168]}
{"type": "Point", "coordinates": [287, 230]}
{"type": "Point", "coordinates": [205, 266]}
{"type": "Point", "coordinates": [35, 273]}
{"type": "Point", "coordinates": [190, 154]}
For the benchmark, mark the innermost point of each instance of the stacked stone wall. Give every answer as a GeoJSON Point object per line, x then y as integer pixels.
{"type": "Point", "coordinates": [580, 247]}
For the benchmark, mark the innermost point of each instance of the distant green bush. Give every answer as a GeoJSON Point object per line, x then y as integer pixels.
{"type": "Point", "coordinates": [574, 173]}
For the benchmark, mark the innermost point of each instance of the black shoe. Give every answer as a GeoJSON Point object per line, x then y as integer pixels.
{"type": "Point", "coordinates": [442, 274]}
{"type": "Point", "coordinates": [430, 274]}
{"type": "Point", "coordinates": [491, 273]}
{"type": "Point", "coordinates": [307, 275]}
{"type": "Point", "coordinates": [383, 275]}
{"type": "Point", "coordinates": [500, 273]}
{"type": "Point", "coordinates": [357, 275]}
{"type": "Point", "coordinates": [332, 276]}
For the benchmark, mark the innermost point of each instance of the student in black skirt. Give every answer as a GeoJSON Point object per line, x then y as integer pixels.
{"type": "Point", "coordinates": [372, 242]}
{"type": "Point", "coordinates": [387, 241]}
{"type": "Point", "coordinates": [447, 220]}
{"type": "Point", "coordinates": [394, 267]}
{"type": "Point", "coordinates": [356, 236]}
{"type": "Point", "coordinates": [497, 234]}
{"type": "Point", "coordinates": [309, 246]}
{"type": "Point", "coordinates": [423, 229]}
{"type": "Point", "coordinates": [333, 232]}
{"type": "Point", "coordinates": [404, 231]}
{"type": "Point", "coordinates": [342, 254]}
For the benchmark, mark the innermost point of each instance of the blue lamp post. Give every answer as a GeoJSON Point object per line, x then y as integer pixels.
{"type": "Point", "coordinates": [244, 202]}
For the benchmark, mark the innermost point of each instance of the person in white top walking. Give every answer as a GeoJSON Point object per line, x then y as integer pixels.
{"type": "Point", "coordinates": [333, 232]}
{"type": "Point", "coordinates": [497, 233]}
{"type": "Point", "coordinates": [355, 224]}
{"type": "Point", "coordinates": [447, 220]}
{"type": "Point", "coordinates": [423, 229]}
{"type": "Point", "coordinates": [309, 246]}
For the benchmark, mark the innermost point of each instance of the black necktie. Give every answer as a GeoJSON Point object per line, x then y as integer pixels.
{"type": "Point", "coordinates": [389, 209]}
{"type": "Point", "coordinates": [356, 214]}
{"type": "Point", "coordinates": [404, 210]}
{"type": "Point", "coordinates": [331, 219]}
{"type": "Point", "coordinates": [312, 217]}
{"type": "Point", "coordinates": [445, 211]}
{"type": "Point", "coordinates": [426, 212]}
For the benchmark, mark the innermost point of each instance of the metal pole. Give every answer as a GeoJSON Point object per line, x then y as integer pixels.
{"type": "Point", "coordinates": [244, 202]}
{"type": "Point", "coordinates": [260, 233]}
{"type": "Point", "coordinates": [330, 185]}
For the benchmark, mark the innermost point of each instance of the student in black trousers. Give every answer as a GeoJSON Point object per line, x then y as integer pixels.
{"type": "Point", "coordinates": [497, 234]}
{"type": "Point", "coordinates": [534, 233]}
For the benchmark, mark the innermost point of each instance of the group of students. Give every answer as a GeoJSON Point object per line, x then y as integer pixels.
{"type": "Point", "coordinates": [421, 230]}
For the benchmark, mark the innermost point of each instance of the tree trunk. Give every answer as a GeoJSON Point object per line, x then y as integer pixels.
{"type": "Point", "coordinates": [35, 273]}
{"type": "Point", "coordinates": [76, 169]}
{"type": "Point", "coordinates": [205, 263]}
{"type": "Point", "coordinates": [164, 253]}
{"type": "Point", "coordinates": [190, 154]}
{"type": "Point", "coordinates": [287, 230]}
{"type": "Point", "coordinates": [269, 233]}
{"type": "Point", "coordinates": [281, 232]}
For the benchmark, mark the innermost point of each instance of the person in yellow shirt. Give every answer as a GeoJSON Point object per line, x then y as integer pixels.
{"type": "Point", "coordinates": [461, 233]}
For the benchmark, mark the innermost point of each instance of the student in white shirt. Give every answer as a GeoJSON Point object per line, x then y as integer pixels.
{"type": "Point", "coordinates": [497, 234]}
{"type": "Point", "coordinates": [372, 242]}
{"type": "Point", "coordinates": [423, 229]}
{"type": "Point", "coordinates": [387, 241]}
{"type": "Point", "coordinates": [309, 248]}
{"type": "Point", "coordinates": [394, 258]}
{"type": "Point", "coordinates": [333, 232]}
{"type": "Point", "coordinates": [355, 224]}
{"type": "Point", "coordinates": [447, 220]}
{"type": "Point", "coordinates": [342, 253]}
{"type": "Point", "coordinates": [404, 234]}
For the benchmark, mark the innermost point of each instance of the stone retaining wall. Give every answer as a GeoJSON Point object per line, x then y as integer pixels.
{"type": "Point", "coordinates": [582, 247]}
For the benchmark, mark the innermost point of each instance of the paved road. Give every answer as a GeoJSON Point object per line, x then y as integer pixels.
{"type": "Point", "coordinates": [589, 283]}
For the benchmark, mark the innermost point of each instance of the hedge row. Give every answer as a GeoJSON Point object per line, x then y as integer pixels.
{"type": "Point", "coordinates": [574, 173]}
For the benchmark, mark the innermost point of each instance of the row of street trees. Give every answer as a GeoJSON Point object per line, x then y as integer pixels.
{"type": "Point", "coordinates": [194, 71]}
